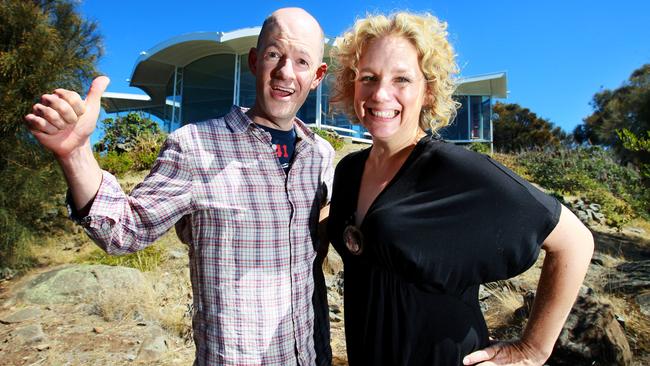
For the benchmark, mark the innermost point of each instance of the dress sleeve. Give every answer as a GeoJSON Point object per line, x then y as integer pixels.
{"type": "Point", "coordinates": [521, 219]}
{"type": "Point", "coordinates": [121, 223]}
{"type": "Point", "coordinates": [462, 219]}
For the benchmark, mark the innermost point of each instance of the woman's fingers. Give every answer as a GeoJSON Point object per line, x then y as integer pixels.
{"type": "Point", "coordinates": [482, 355]}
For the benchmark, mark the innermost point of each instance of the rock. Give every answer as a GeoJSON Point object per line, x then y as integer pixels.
{"type": "Point", "coordinates": [598, 259]}
{"type": "Point", "coordinates": [333, 263]}
{"type": "Point", "coordinates": [42, 347]}
{"type": "Point", "coordinates": [635, 230]}
{"type": "Point", "coordinates": [153, 348]}
{"type": "Point", "coordinates": [643, 300]}
{"type": "Point", "coordinates": [7, 273]}
{"type": "Point", "coordinates": [632, 277]}
{"type": "Point", "coordinates": [22, 315]}
{"type": "Point", "coordinates": [29, 334]}
{"type": "Point", "coordinates": [591, 333]}
{"type": "Point", "coordinates": [98, 330]}
{"type": "Point", "coordinates": [78, 283]}
{"type": "Point", "coordinates": [177, 254]}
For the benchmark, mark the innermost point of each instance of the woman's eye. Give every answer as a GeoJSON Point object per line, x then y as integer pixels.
{"type": "Point", "coordinates": [402, 80]}
{"type": "Point", "coordinates": [367, 78]}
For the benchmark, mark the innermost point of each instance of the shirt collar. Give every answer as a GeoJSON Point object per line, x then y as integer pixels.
{"type": "Point", "coordinates": [239, 122]}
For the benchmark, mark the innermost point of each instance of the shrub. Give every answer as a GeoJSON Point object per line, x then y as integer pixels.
{"type": "Point", "coordinates": [333, 138]}
{"type": "Point", "coordinates": [144, 260]}
{"type": "Point", "coordinates": [31, 187]}
{"type": "Point", "coordinates": [146, 149]}
{"type": "Point", "coordinates": [115, 163]}
{"type": "Point", "coordinates": [591, 173]}
{"type": "Point", "coordinates": [480, 147]}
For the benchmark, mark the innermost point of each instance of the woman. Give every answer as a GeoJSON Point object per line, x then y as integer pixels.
{"type": "Point", "coordinates": [420, 224]}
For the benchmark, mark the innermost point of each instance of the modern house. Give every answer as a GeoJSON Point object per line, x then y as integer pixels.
{"type": "Point", "coordinates": [197, 76]}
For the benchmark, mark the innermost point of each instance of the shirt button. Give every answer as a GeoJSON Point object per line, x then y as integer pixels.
{"type": "Point", "coordinates": [106, 226]}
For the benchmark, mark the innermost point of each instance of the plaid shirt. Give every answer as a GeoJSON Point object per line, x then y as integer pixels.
{"type": "Point", "coordinates": [254, 237]}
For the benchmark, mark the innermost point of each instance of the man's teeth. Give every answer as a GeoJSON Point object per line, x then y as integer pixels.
{"type": "Point", "coordinates": [285, 90]}
{"type": "Point", "coordinates": [384, 114]}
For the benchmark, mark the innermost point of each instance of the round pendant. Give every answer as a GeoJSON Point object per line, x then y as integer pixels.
{"type": "Point", "coordinates": [353, 239]}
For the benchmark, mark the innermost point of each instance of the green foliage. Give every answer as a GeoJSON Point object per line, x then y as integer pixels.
{"type": "Point", "coordinates": [123, 134]}
{"type": "Point", "coordinates": [639, 145]}
{"type": "Point", "coordinates": [115, 163]}
{"type": "Point", "coordinates": [43, 45]}
{"type": "Point", "coordinates": [144, 260]}
{"type": "Point", "coordinates": [333, 138]}
{"type": "Point", "coordinates": [146, 149]}
{"type": "Point", "coordinates": [31, 198]}
{"type": "Point", "coordinates": [480, 147]}
{"type": "Point", "coordinates": [518, 129]}
{"type": "Point", "coordinates": [591, 173]}
{"type": "Point", "coordinates": [627, 107]}
{"type": "Point", "coordinates": [130, 143]}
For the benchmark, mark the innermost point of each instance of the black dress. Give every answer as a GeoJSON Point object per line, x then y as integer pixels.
{"type": "Point", "coordinates": [449, 220]}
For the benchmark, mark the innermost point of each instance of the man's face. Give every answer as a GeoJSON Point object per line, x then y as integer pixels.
{"type": "Point", "coordinates": [287, 66]}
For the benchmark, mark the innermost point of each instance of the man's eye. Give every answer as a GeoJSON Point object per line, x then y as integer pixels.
{"type": "Point", "coordinates": [303, 62]}
{"type": "Point", "coordinates": [273, 54]}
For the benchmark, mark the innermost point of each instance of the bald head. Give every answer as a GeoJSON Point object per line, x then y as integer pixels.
{"type": "Point", "coordinates": [293, 21]}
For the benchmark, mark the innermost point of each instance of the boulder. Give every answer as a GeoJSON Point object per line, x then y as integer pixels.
{"type": "Point", "coordinates": [153, 347]}
{"type": "Point", "coordinates": [21, 315]}
{"type": "Point", "coordinates": [591, 332]}
{"type": "Point", "coordinates": [630, 277]}
{"type": "Point", "coordinates": [83, 283]}
{"type": "Point", "coordinates": [643, 300]}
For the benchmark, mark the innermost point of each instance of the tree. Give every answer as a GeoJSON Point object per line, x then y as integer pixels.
{"type": "Point", "coordinates": [517, 128]}
{"type": "Point", "coordinates": [44, 44]}
{"type": "Point", "coordinates": [627, 107]}
{"type": "Point", "coordinates": [122, 134]}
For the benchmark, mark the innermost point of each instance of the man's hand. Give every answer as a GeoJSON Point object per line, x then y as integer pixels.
{"type": "Point", "coordinates": [63, 122]}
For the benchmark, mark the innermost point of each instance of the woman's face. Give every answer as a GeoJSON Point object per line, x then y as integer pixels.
{"type": "Point", "coordinates": [389, 89]}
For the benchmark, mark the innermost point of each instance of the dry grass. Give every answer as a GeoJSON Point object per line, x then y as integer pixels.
{"type": "Point", "coordinates": [61, 248]}
{"type": "Point", "coordinates": [113, 306]}
{"type": "Point", "coordinates": [502, 304]}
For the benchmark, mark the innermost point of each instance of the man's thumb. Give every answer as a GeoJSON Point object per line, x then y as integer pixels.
{"type": "Point", "coordinates": [96, 90]}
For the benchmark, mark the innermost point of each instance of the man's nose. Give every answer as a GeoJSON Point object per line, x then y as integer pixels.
{"type": "Point", "coordinates": [284, 69]}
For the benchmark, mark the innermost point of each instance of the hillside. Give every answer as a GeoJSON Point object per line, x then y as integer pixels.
{"type": "Point", "coordinates": [71, 309]}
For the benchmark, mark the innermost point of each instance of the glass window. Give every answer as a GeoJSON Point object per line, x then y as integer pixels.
{"type": "Point", "coordinates": [486, 109]}
{"type": "Point", "coordinates": [246, 83]}
{"type": "Point", "coordinates": [458, 128]}
{"type": "Point", "coordinates": [476, 120]}
{"type": "Point", "coordinates": [208, 87]}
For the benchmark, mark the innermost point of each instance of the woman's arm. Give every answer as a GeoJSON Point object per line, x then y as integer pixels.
{"type": "Point", "coordinates": [568, 252]}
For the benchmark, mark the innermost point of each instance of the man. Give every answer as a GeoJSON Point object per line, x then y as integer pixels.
{"type": "Point", "coordinates": [253, 217]}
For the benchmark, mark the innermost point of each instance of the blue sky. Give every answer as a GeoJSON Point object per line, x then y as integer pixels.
{"type": "Point", "coordinates": [557, 54]}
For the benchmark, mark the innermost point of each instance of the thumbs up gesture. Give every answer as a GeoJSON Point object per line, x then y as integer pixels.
{"type": "Point", "coordinates": [63, 122]}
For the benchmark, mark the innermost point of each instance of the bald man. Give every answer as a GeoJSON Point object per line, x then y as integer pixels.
{"type": "Point", "coordinates": [250, 185]}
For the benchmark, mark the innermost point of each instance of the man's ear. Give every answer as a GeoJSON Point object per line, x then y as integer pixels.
{"type": "Point", "coordinates": [252, 60]}
{"type": "Point", "coordinates": [320, 74]}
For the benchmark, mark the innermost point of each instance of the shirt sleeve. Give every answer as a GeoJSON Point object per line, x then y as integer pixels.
{"type": "Point", "coordinates": [121, 223]}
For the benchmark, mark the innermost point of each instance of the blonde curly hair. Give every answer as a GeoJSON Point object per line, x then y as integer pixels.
{"type": "Point", "coordinates": [435, 56]}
